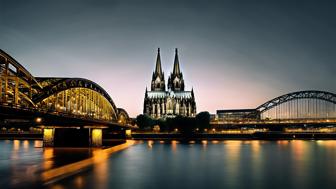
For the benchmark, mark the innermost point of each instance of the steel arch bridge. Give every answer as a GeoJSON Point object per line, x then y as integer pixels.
{"type": "Point", "coordinates": [301, 108]}
{"type": "Point", "coordinates": [310, 104]}
{"type": "Point", "coordinates": [61, 97]}
{"type": "Point", "coordinates": [311, 94]}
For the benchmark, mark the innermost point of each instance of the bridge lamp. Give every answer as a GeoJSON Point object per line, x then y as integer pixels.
{"type": "Point", "coordinates": [38, 120]}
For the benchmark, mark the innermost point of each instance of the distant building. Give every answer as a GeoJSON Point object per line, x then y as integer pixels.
{"type": "Point", "coordinates": [160, 102]}
{"type": "Point", "coordinates": [237, 114]}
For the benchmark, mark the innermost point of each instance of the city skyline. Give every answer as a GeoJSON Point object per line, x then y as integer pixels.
{"type": "Point", "coordinates": [229, 53]}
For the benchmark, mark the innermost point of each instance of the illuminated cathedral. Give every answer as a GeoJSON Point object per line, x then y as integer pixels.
{"type": "Point", "coordinates": [162, 103]}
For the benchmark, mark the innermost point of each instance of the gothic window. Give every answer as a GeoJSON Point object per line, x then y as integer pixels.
{"type": "Point", "coordinates": [169, 106]}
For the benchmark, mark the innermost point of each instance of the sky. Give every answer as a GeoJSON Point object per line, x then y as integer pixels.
{"type": "Point", "coordinates": [234, 53]}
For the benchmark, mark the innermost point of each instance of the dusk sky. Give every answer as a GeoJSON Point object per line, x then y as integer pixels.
{"type": "Point", "coordinates": [235, 53]}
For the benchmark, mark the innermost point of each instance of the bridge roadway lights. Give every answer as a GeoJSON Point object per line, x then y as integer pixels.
{"type": "Point", "coordinates": [87, 136]}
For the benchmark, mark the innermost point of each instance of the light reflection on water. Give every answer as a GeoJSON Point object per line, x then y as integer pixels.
{"type": "Point", "coordinates": [216, 164]}
{"type": "Point", "coordinates": [174, 164]}
{"type": "Point", "coordinates": [23, 161]}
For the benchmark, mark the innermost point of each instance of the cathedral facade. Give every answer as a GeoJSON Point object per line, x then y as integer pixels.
{"type": "Point", "coordinates": [161, 103]}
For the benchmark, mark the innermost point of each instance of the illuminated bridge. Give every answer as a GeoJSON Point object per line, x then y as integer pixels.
{"type": "Point", "coordinates": [298, 108]}
{"type": "Point", "coordinates": [64, 107]}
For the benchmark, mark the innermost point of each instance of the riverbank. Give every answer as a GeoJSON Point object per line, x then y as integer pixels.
{"type": "Point", "coordinates": [240, 136]}
{"type": "Point", "coordinates": [201, 136]}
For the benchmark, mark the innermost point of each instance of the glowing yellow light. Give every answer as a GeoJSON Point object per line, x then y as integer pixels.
{"type": "Point", "coordinates": [215, 142]}
{"type": "Point", "coordinates": [38, 120]}
{"type": "Point", "coordinates": [79, 181]}
{"type": "Point", "coordinates": [174, 144]}
{"type": "Point", "coordinates": [26, 144]}
{"type": "Point", "coordinates": [48, 137]}
{"type": "Point", "coordinates": [97, 136]}
{"type": "Point", "coordinates": [16, 145]}
{"type": "Point", "coordinates": [128, 132]}
{"type": "Point", "coordinates": [150, 143]}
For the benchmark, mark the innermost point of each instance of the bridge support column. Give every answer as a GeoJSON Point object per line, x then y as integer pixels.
{"type": "Point", "coordinates": [128, 133]}
{"type": "Point", "coordinates": [96, 137]}
{"type": "Point", "coordinates": [48, 137]}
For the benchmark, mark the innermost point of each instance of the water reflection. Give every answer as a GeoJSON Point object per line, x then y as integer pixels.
{"type": "Point", "coordinates": [150, 143]}
{"type": "Point", "coordinates": [203, 164]}
{"type": "Point", "coordinates": [16, 145]}
{"type": "Point", "coordinates": [101, 174]}
{"type": "Point", "coordinates": [26, 145]}
{"type": "Point", "coordinates": [174, 145]}
{"type": "Point", "coordinates": [48, 154]}
{"type": "Point", "coordinates": [232, 152]}
{"type": "Point", "coordinates": [21, 162]}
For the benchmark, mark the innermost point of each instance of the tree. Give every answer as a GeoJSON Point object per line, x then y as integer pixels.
{"type": "Point", "coordinates": [203, 120]}
{"type": "Point", "coordinates": [145, 122]}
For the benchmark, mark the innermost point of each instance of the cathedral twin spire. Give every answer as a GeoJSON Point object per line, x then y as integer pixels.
{"type": "Point", "coordinates": [175, 80]}
{"type": "Point", "coordinates": [158, 82]}
{"type": "Point", "coordinates": [159, 102]}
{"type": "Point", "coordinates": [176, 69]}
{"type": "Point", "coordinates": [158, 69]}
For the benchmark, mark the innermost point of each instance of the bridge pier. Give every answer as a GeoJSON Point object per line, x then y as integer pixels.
{"type": "Point", "coordinates": [96, 137]}
{"type": "Point", "coordinates": [72, 137]}
{"type": "Point", "coordinates": [48, 137]}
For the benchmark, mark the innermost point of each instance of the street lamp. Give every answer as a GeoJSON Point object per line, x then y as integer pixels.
{"type": "Point", "coordinates": [38, 120]}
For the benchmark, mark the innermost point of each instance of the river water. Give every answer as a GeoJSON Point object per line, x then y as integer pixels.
{"type": "Point", "coordinates": [207, 164]}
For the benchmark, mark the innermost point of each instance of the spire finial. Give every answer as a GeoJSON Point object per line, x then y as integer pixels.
{"type": "Point", "coordinates": [159, 50]}
{"type": "Point", "coordinates": [176, 50]}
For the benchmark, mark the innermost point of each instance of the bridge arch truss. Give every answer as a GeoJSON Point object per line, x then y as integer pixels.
{"type": "Point", "coordinates": [310, 104]}
{"type": "Point", "coordinates": [76, 96]}
{"type": "Point", "coordinates": [69, 96]}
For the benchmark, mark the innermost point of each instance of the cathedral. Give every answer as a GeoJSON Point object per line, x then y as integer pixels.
{"type": "Point", "coordinates": [162, 103]}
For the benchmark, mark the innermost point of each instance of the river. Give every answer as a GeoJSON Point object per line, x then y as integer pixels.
{"type": "Point", "coordinates": [207, 164]}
